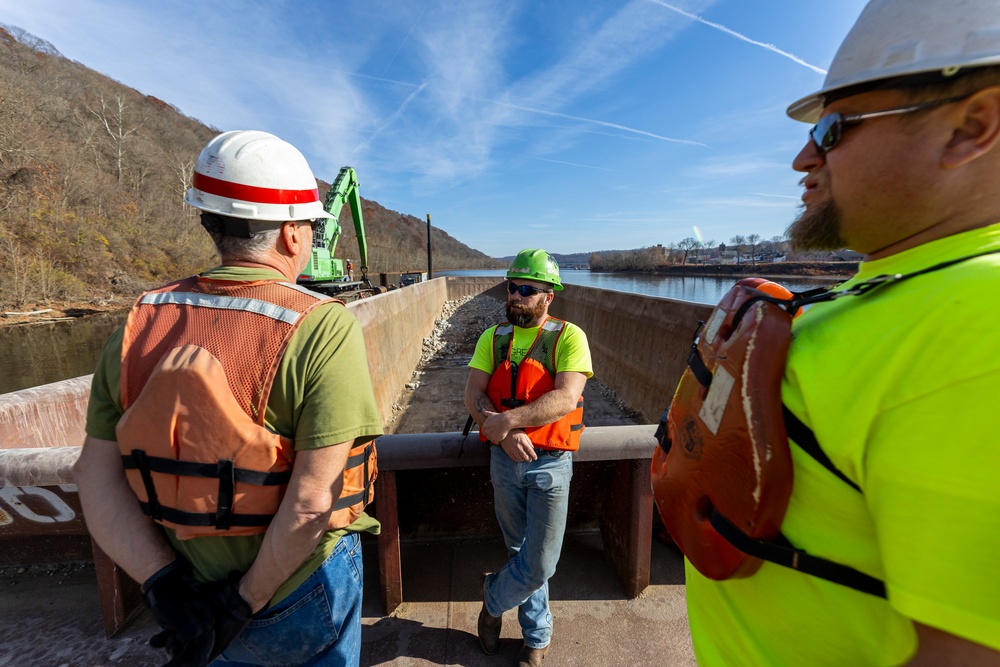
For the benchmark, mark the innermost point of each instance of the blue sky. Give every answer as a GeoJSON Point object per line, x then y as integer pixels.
{"type": "Point", "coordinates": [571, 125]}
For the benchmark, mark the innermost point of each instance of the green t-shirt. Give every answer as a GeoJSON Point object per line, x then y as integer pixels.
{"type": "Point", "coordinates": [322, 395]}
{"type": "Point", "coordinates": [572, 350]}
{"type": "Point", "coordinates": [899, 386]}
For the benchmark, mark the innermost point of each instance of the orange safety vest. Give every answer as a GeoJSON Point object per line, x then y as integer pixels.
{"type": "Point", "coordinates": [513, 385]}
{"type": "Point", "coordinates": [199, 358]}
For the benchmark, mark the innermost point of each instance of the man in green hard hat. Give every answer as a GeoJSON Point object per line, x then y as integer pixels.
{"type": "Point", "coordinates": [525, 390]}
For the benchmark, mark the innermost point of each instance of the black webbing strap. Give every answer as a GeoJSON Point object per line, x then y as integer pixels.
{"type": "Point", "coordinates": [182, 518]}
{"type": "Point", "coordinates": [576, 427]}
{"type": "Point", "coordinates": [195, 469]}
{"type": "Point", "coordinates": [223, 470]}
{"type": "Point", "coordinates": [796, 559]}
{"type": "Point", "coordinates": [361, 458]}
{"type": "Point", "coordinates": [468, 426]}
{"type": "Point", "coordinates": [364, 495]}
{"type": "Point", "coordinates": [695, 362]}
{"type": "Point", "coordinates": [227, 492]}
{"type": "Point", "coordinates": [152, 506]}
{"type": "Point", "coordinates": [803, 436]}
{"type": "Point", "coordinates": [512, 402]}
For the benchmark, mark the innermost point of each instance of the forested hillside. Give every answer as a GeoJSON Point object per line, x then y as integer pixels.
{"type": "Point", "coordinates": [92, 179]}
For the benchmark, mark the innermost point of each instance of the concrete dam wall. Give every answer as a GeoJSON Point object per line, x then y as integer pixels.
{"type": "Point", "coordinates": [638, 343]}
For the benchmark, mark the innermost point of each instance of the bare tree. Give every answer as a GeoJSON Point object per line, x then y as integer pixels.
{"type": "Point", "coordinates": [708, 245]}
{"type": "Point", "coordinates": [739, 241]}
{"type": "Point", "coordinates": [685, 246]}
{"type": "Point", "coordinates": [753, 240]}
{"type": "Point", "coordinates": [183, 173]}
{"type": "Point", "coordinates": [112, 118]}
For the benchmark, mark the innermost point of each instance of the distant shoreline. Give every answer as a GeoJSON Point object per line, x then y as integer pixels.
{"type": "Point", "coordinates": [837, 270]}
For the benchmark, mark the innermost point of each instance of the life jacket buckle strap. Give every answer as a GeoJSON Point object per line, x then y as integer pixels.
{"type": "Point", "coordinates": [227, 493]}
{"type": "Point", "coordinates": [140, 461]}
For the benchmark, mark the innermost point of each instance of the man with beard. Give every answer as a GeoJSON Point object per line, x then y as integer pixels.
{"type": "Point", "coordinates": [525, 390]}
{"type": "Point", "coordinates": [896, 380]}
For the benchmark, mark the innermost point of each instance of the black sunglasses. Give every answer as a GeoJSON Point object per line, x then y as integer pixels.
{"type": "Point", "coordinates": [827, 132]}
{"type": "Point", "coordinates": [524, 290]}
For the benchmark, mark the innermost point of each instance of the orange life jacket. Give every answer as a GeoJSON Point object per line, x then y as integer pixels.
{"type": "Point", "coordinates": [722, 475]}
{"type": "Point", "coordinates": [198, 362]}
{"type": "Point", "coordinates": [728, 447]}
{"type": "Point", "coordinates": [513, 385]}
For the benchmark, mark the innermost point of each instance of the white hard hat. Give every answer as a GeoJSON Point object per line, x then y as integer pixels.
{"type": "Point", "coordinates": [897, 38]}
{"type": "Point", "coordinates": [257, 176]}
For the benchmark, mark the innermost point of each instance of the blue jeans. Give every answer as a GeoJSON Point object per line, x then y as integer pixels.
{"type": "Point", "coordinates": [319, 623]}
{"type": "Point", "coordinates": [531, 500]}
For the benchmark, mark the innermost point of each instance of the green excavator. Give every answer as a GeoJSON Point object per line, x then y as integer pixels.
{"type": "Point", "coordinates": [325, 273]}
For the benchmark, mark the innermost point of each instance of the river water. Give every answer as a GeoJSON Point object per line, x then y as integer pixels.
{"type": "Point", "coordinates": [43, 353]}
{"type": "Point", "coordinates": [699, 289]}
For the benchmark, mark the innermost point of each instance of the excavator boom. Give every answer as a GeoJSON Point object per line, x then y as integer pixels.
{"type": "Point", "coordinates": [325, 273]}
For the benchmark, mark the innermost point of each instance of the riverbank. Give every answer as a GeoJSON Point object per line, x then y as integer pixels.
{"type": "Point", "coordinates": [59, 311]}
{"type": "Point", "coordinates": [836, 270]}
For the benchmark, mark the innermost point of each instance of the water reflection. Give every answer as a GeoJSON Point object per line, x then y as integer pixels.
{"type": "Point", "coordinates": [700, 289]}
{"type": "Point", "coordinates": [37, 354]}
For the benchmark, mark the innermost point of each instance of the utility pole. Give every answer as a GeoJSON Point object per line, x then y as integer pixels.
{"type": "Point", "coordinates": [430, 256]}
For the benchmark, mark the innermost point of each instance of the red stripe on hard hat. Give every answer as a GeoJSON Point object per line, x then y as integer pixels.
{"type": "Point", "coordinates": [220, 188]}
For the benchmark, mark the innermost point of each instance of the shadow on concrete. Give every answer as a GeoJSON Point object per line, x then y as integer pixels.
{"type": "Point", "coordinates": [595, 624]}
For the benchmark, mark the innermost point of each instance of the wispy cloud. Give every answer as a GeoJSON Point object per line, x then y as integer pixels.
{"type": "Point", "coordinates": [765, 194]}
{"type": "Point", "coordinates": [603, 123]}
{"type": "Point", "coordinates": [739, 166]}
{"type": "Point", "coordinates": [573, 164]}
{"type": "Point", "coordinates": [729, 31]}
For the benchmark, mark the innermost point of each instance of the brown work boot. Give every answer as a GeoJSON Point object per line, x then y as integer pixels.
{"type": "Point", "coordinates": [489, 626]}
{"type": "Point", "coordinates": [531, 657]}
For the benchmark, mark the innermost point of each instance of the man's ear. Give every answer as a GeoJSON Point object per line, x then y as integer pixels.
{"type": "Point", "coordinates": [977, 130]}
{"type": "Point", "coordinates": [293, 237]}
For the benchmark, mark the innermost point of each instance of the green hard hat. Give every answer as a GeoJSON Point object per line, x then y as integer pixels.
{"type": "Point", "coordinates": [535, 264]}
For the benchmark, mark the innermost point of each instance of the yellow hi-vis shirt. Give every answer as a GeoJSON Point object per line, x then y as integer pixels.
{"type": "Point", "coordinates": [572, 350]}
{"type": "Point", "coordinates": [901, 387]}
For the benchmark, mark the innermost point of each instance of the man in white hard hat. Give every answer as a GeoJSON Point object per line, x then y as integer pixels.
{"type": "Point", "coordinates": [225, 467]}
{"type": "Point", "coordinates": [897, 380]}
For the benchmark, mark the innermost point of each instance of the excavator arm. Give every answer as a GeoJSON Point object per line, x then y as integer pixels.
{"type": "Point", "coordinates": [324, 272]}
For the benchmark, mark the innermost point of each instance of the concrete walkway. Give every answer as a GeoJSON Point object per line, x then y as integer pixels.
{"type": "Point", "coordinates": [49, 615]}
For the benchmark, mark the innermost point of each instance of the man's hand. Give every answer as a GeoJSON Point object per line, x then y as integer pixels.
{"type": "Point", "coordinates": [495, 428]}
{"type": "Point", "coordinates": [186, 617]}
{"type": "Point", "coordinates": [232, 613]}
{"type": "Point", "coordinates": [518, 446]}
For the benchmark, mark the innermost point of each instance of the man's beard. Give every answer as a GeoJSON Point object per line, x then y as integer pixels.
{"type": "Point", "coordinates": [817, 229]}
{"type": "Point", "coordinates": [524, 318]}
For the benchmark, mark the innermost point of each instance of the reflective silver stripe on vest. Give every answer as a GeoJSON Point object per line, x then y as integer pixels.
{"type": "Point", "coordinates": [503, 329]}
{"type": "Point", "coordinates": [552, 325]}
{"type": "Point", "coordinates": [304, 290]}
{"type": "Point", "coordinates": [223, 302]}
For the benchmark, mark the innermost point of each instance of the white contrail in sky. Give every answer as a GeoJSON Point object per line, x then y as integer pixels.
{"type": "Point", "coordinates": [764, 194]}
{"type": "Point", "coordinates": [573, 164]}
{"type": "Point", "coordinates": [600, 122]}
{"type": "Point", "coordinates": [769, 47]}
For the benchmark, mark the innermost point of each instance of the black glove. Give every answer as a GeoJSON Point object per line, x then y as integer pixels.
{"type": "Point", "coordinates": [184, 614]}
{"type": "Point", "coordinates": [231, 611]}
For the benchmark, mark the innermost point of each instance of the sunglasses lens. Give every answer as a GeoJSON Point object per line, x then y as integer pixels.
{"type": "Point", "coordinates": [523, 290]}
{"type": "Point", "coordinates": [826, 133]}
